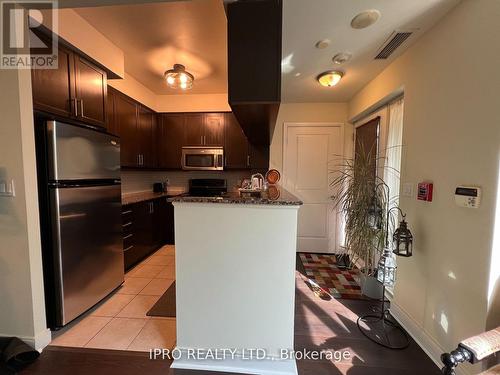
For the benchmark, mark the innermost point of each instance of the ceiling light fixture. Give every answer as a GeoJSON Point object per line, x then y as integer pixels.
{"type": "Point", "coordinates": [323, 43]}
{"type": "Point", "coordinates": [341, 58]}
{"type": "Point", "coordinates": [365, 19]}
{"type": "Point", "coordinates": [179, 78]}
{"type": "Point", "coordinates": [330, 78]}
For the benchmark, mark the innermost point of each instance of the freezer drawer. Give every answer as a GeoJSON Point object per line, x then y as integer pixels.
{"type": "Point", "coordinates": [87, 247]}
{"type": "Point", "coordinates": [79, 153]}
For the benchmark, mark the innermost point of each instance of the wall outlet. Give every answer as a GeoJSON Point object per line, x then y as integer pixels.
{"type": "Point", "coordinates": [408, 190]}
{"type": "Point", "coordinates": [7, 189]}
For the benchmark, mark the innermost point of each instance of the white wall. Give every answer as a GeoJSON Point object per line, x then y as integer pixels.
{"type": "Point", "coordinates": [452, 137]}
{"type": "Point", "coordinates": [21, 283]}
{"type": "Point", "coordinates": [307, 112]}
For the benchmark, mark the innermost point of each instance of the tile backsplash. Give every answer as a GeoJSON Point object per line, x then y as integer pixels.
{"type": "Point", "coordinates": [136, 181]}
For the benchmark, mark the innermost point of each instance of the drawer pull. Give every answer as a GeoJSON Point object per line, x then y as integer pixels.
{"type": "Point", "coordinates": [128, 248]}
{"type": "Point", "coordinates": [127, 224]}
{"type": "Point", "coordinates": [126, 212]}
{"type": "Point", "coordinates": [128, 236]}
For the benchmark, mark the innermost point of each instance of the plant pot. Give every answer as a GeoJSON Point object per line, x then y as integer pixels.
{"type": "Point", "coordinates": [371, 287]}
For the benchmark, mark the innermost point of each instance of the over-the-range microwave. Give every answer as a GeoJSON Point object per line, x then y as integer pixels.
{"type": "Point", "coordinates": [202, 158]}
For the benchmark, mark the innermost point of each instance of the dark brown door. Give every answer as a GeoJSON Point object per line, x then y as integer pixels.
{"type": "Point", "coordinates": [366, 149]}
{"type": "Point", "coordinates": [171, 132]}
{"type": "Point", "coordinates": [145, 138]}
{"type": "Point", "coordinates": [235, 144]}
{"type": "Point", "coordinates": [91, 87]}
{"type": "Point", "coordinates": [126, 121]}
{"type": "Point", "coordinates": [194, 129]}
{"type": "Point", "coordinates": [53, 89]}
{"type": "Point", "coordinates": [214, 129]}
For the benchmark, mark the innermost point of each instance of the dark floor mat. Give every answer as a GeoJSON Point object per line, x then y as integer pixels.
{"type": "Point", "coordinates": [165, 307]}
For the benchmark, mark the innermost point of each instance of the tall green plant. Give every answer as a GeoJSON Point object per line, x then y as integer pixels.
{"type": "Point", "coordinates": [361, 196]}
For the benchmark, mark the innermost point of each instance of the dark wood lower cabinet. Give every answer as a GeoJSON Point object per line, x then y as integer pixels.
{"type": "Point", "coordinates": [146, 227]}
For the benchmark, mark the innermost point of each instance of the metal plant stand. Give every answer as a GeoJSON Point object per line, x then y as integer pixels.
{"type": "Point", "coordinates": [383, 331]}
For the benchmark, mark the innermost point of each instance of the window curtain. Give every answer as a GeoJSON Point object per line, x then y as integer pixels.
{"type": "Point", "coordinates": [393, 151]}
{"type": "Point", "coordinates": [393, 155]}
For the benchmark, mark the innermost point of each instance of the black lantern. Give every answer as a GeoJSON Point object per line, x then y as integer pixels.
{"type": "Point", "coordinates": [403, 240]}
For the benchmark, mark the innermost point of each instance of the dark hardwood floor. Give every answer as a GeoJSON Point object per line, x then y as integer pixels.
{"type": "Point", "coordinates": [319, 325]}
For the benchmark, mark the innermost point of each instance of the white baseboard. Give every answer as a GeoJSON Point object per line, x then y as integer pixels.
{"type": "Point", "coordinates": [422, 338]}
{"type": "Point", "coordinates": [267, 366]}
{"type": "Point", "coordinates": [39, 341]}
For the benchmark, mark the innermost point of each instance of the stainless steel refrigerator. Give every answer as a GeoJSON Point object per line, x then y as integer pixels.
{"type": "Point", "coordinates": [80, 205]}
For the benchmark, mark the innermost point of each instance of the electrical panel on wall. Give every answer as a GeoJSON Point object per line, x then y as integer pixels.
{"type": "Point", "coordinates": [468, 196]}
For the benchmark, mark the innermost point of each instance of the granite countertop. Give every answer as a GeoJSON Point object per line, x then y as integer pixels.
{"type": "Point", "coordinates": [276, 196]}
{"type": "Point", "coordinates": [142, 196]}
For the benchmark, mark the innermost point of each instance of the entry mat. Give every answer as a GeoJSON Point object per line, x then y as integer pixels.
{"type": "Point", "coordinates": [165, 306]}
{"type": "Point", "coordinates": [322, 269]}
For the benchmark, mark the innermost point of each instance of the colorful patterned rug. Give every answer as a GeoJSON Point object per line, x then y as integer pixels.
{"type": "Point", "coordinates": [339, 283]}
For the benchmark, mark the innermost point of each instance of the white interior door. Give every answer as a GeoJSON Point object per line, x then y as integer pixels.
{"type": "Point", "coordinates": [310, 153]}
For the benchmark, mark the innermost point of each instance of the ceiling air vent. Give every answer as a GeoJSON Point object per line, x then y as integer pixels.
{"type": "Point", "coordinates": [395, 40]}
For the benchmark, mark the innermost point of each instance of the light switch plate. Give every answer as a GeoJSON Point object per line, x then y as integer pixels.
{"type": "Point", "coordinates": [408, 190]}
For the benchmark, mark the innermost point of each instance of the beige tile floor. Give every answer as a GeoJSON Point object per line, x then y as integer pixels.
{"type": "Point", "coordinates": [120, 321]}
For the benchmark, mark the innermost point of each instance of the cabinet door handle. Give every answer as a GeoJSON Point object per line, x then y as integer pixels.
{"type": "Point", "coordinates": [81, 108]}
{"type": "Point", "coordinates": [248, 160]}
{"type": "Point", "coordinates": [75, 106]}
{"type": "Point", "coordinates": [138, 159]}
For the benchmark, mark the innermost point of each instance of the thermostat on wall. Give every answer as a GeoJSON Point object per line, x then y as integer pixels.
{"type": "Point", "coordinates": [468, 196]}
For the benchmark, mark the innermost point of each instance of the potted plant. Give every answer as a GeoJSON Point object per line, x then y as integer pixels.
{"type": "Point", "coordinates": [362, 197]}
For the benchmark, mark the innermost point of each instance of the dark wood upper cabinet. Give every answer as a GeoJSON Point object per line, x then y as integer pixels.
{"type": "Point", "coordinates": [194, 129]}
{"type": "Point", "coordinates": [90, 87]}
{"type": "Point", "coordinates": [54, 89]}
{"type": "Point", "coordinates": [126, 121]}
{"type": "Point", "coordinates": [214, 129]}
{"type": "Point", "coordinates": [111, 125]}
{"type": "Point", "coordinates": [171, 137]}
{"type": "Point", "coordinates": [254, 65]}
{"type": "Point", "coordinates": [204, 129]}
{"type": "Point", "coordinates": [76, 89]}
{"type": "Point", "coordinates": [235, 144]}
{"type": "Point", "coordinates": [145, 123]}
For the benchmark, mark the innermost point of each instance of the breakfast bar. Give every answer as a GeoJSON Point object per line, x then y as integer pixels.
{"type": "Point", "coordinates": [235, 264]}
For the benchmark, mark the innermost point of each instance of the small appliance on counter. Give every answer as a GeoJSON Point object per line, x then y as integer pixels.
{"type": "Point", "coordinates": [207, 187]}
{"type": "Point", "coordinates": [160, 187]}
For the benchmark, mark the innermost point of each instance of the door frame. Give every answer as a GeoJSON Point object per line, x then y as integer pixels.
{"type": "Point", "coordinates": [341, 125]}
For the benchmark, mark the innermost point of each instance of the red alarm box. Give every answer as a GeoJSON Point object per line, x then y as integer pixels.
{"type": "Point", "coordinates": [425, 191]}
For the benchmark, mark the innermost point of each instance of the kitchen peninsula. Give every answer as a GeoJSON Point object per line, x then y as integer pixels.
{"type": "Point", "coordinates": [235, 284]}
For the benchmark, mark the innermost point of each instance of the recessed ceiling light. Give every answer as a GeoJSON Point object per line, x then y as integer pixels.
{"type": "Point", "coordinates": [298, 74]}
{"type": "Point", "coordinates": [341, 58]}
{"type": "Point", "coordinates": [365, 19]}
{"type": "Point", "coordinates": [330, 78]}
{"type": "Point", "coordinates": [322, 44]}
